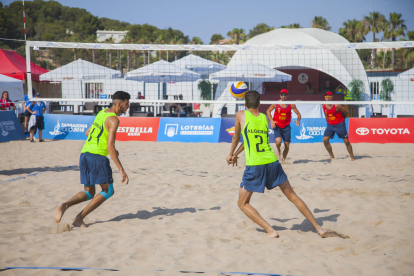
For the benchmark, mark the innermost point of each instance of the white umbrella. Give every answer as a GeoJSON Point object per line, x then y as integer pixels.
{"type": "Point", "coordinates": [251, 72]}
{"type": "Point", "coordinates": [199, 65]}
{"type": "Point", "coordinates": [81, 70]}
{"type": "Point", "coordinates": [162, 71]}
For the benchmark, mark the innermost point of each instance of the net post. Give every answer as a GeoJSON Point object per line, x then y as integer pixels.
{"type": "Point", "coordinates": [28, 72]}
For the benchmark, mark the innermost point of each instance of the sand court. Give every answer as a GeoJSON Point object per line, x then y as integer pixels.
{"type": "Point", "coordinates": [179, 212]}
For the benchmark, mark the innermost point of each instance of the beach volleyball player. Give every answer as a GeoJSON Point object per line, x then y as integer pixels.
{"type": "Point", "coordinates": [262, 167]}
{"type": "Point", "coordinates": [335, 115]}
{"type": "Point", "coordinates": [93, 164]}
{"type": "Point", "coordinates": [280, 122]}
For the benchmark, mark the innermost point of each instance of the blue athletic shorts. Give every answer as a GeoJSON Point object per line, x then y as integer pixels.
{"type": "Point", "coordinates": [339, 129]}
{"type": "Point", "coordinates": [94, 169]}
{"type": "Point", "coordinates": [256, 178]}
{"type": "Point", "coordinates": [283, 132]}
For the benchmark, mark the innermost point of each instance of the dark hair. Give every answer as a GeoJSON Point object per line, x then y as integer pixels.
{"type": "Point", "coordinates": [252, 99]}
{"type": "Point", "coordinates": [8, 95]}
{"type": "Point", "coordinates": [120, 96]}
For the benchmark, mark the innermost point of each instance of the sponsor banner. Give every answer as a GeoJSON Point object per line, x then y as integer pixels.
{"type": "Point", "coordinates": [312, 130]}
{"type": "Point", "coordinates": [309, 131]}
{"type": "Point", "coordinates": [227, 130]}
{"type": "Point", "coordinates": [381, 130]}
{"type": "Point", "coordinates": [189, 130]}
{"type": "Point", "coordinates": [67, 127]}
{"type": "Point", "coordinates": [137, 129]}
{"type": "Point", "coordinates": [10, 128]}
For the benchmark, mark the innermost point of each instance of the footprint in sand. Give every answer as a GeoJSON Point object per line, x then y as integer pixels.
{"type": "Point", "coordinates": [58, 228]}
{"type": "Point", "coordinates": [332, 234]}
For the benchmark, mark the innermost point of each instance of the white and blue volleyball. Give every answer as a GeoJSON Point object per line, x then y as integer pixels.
{"type": "Point", "coordinates": [238, 89]}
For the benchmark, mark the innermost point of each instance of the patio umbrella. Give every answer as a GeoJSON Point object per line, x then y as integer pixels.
{"type": "Point", "coordinates": [251, 72]}
{"type": "Point", "coordinates": [199, 65]}
{"type": "Point", "coordinates": [162, 71]}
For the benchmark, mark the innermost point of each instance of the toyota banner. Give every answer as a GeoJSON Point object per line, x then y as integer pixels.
{"type": "Point", "coordinates": [381, 130]}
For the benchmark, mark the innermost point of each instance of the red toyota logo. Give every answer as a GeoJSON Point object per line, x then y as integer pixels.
{"type": "Point", "coordinates": [362, 131]}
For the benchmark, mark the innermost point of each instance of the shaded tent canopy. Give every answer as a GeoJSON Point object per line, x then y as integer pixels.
{"type": "Point", "coordinates": [81, 70]}
{"type": "Point", "coordinates": [199, 65]}
{"type": "Point", "coordinates": [409, 74]}
{"type": "Point", "coordinates": [162, 71]}
{"type": "Point", "coordinates": [344, 64]}
{"type": "Point", "coordinates": [14, 65]}
{"type": "Point", "coordinates": [13, 86]}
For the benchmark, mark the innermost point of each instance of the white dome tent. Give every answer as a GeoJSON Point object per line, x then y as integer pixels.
{"type": "Point", "coordinates": [341, 64]}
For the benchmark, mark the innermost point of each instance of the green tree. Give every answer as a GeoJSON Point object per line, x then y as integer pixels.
{"type": "Point", "coordinates": [387, 88]}
{"type": "Point", "coordinates": [260, 28]}
{"type": "Point", "coordinates": [357, 88]}
{"type": "Point", "coordinates": [321, 23]}
{"type": "Point", "coordinates": [408, 53]}
{"type": "Point", "coordinates": [291, 26]}
{"type": "Point", "coordinates": [236, 35]}
{"type": "Point", "coordinates": [376, 22]}
{"type": "Point", "coordinates": [215, 38]}
{"type": "Point", "coordinates": [353, 31]}
{"type": "Point", "coordinates": [394, 29]}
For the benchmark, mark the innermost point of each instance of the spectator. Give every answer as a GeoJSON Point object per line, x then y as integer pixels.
{"type": "Point", "coordinates": [327, 87]}
{"type": "Point", "coordinates": [139, 97]}
{"type": "Point", "coordinates": [196, 106]}
{"type": "Point", "coordinates": [5, 102]}
{"type": "Point", "coordinates": [180, 108]}
{"type": "Point", "coordinates": [37, 109]}
{"type": "Point", "coordinates": [309, 89]}
{"type": "Point", "coordinates": [27, 104]}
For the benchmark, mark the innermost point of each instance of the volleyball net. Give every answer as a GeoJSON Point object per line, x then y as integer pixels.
{"type": "Point", "coordinates": [156, 75]}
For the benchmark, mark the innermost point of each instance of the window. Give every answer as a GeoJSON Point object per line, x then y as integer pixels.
{"type": "Point", "coordinates": [375, 91]}
{"type": "Point", "coordinates": [93, 90]}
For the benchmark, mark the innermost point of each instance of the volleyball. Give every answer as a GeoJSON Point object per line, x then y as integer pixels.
{"type": "Point", "coordinates": [238, 89]}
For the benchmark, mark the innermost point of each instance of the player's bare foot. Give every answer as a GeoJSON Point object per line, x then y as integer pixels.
{"type": "Point", "coordinates": [283, 160]}
{"type": "Point", "coordinates": [78, 221]}
{"type": "Point", "coordinates": [273, 234]}
{"type": "Point", "coordinates": [332, 234]}
{"type": "Point", "coordinates": [352, 159]}
{"type": "Point", "coordinates": [60, 211]}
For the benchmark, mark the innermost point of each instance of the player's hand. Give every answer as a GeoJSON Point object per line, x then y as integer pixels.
{"type": "Point", "coordinates": [124, 177]}
{"type": "Point", "coordinates": [229, 160]}
{"type": "Point", "coordinates": [297, 123]}
{"type": "Point", "coordinates": [273, 124]}
{"type": "Point", "coordinates": [234, 160]}
{"type": "Point", "coordinates": [34, 112]}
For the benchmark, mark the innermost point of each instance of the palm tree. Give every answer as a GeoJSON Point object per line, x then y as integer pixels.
{"type": "Point", "coordinates": [350, 30]}
{"type": "Point", "coordinates": [291, 26]}
{"type": "Point", "coordinates": [396, 28]}
{"type": "Point", "coordinates": [321, 23]}
{"type": "Point", "coordinates": [175, 41]}
{"type": "Point", "coordinates": [408, 53]}
{"type": "Point", "coordinates": [236, 34]}
{"type": "Point", "coordinates": [144, 40]}
{"type": "Point", "coordinates": [160, 40]}
{"type": "Point", "coordinates": [260, 28]}
{"type": "Point", "coordinates": [376, 23]}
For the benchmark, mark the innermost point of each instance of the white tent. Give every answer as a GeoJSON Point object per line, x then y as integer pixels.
{"type": "Point", "coordinates": [409, 74]}
{"type": "Point", "coordinates": [81, 70]}
{"type": "Point", "coordinates": [199, 65]}
{"type": "Point", "coordinates": [13, 86]}
{"type": "Point", "coordinates": [344, 65]}
{"type": "Point", "coordinates": [251, 72]}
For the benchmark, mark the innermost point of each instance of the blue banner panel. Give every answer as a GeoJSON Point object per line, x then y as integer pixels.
{"type": "Point", "coordinates": [227, 130]}
{"type": "Point", "coordinates": [10, 128]}
{"type": "Point", "coordinates": [311, 131]}
{"type": "Point", "coordinates": [66, 127]}
{"type": "Point", "coordinates": [187, 130]}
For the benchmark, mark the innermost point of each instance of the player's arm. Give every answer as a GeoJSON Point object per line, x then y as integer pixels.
{"type": "Point", "coordinates": [236, 137]}
{"type": "Point", "coordinates": [236, 154]}
{"type": "Point", "coordinates": [87, 132]}
{"type": "Point", "coordinates": [44, 108]}
{"type": "Point", "coordinates": [342, 109]}
{"type": "Point", "coordinates": [269, 115]}
{"type": "Point", "coordinates": [294, 108]}
{"type": "Point", "coordinates": [111, 125]}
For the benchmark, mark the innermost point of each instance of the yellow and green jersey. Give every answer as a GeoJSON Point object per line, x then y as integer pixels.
{"type": "Point", "coordinates": [256, 140]}
{"type": "Point", "coordinates": [98, 135]}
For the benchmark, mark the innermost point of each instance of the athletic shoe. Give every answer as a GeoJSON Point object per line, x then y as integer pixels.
{"type": "Point", "coordinates": [41, 140]}
{"type": "Point", "coordinates": [32, 141]}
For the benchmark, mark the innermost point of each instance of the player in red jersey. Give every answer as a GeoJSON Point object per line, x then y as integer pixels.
{"type": "Point", "coordinates": [280, 122]}
{"type": "Point", "coordinates": [335, 118]}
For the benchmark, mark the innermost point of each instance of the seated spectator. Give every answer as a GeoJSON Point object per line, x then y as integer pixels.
{"type": "Point", "coordinates": [309, 89]}
{"type": "Point", "coordinates": [196, 106]}
{"type": "Point", "coordinates": [5, 102]}
{"type": "Point", "coordinates": [180, 108]}
{"type": "Point", "coordinates": [37, 109]}
{"type": "Point", "coordinates": [139, 97]}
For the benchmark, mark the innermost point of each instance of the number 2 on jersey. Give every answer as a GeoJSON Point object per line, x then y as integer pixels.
{"type": "Point", "coordinates": [258, 144]}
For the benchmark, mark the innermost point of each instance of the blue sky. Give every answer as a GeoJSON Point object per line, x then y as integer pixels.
{"type": "Point", "coordinates": [205, 18]}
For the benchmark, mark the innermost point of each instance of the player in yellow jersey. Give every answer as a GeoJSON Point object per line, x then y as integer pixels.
{"type": "Point", "coordinates": [94, 165]}
{"type": "Point", "coordinates": [262, 167]}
